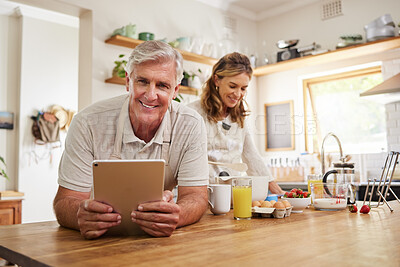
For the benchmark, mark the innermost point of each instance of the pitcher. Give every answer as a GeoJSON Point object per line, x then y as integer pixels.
{"type": "Point", "coordinates": [343, 173]}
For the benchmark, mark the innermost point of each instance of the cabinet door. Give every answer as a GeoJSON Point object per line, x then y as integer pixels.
{"type": "Point", "coordinates": [10, 212]}
{"type": "Point", "coordinates": [6, 216]}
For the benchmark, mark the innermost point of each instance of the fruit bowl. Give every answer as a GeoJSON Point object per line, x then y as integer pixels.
{"type": "Point", "coordinates": [298, 204]}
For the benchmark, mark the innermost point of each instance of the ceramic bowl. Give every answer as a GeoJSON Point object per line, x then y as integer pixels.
{"type": "Point", "coordinates": [146, 36]}
{"type": "Point", "coordinates": [298, 204]}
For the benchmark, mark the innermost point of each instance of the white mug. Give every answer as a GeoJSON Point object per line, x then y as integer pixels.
{"type": "Point", "coordinates": [219, 198]}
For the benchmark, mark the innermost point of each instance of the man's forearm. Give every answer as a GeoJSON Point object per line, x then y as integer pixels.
{"type": "Point", "coordinates": [66, 210]}
{"type": "Point", "coordinates": [192, 207]}
{"type": "Point", "coordinates": [66, 205]}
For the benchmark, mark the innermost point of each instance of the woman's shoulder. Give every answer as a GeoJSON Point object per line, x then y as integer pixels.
{"type": "Point", "coordinates": [196, 105]}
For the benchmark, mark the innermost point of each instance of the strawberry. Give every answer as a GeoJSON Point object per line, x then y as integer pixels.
{"type": "Point", "coordinates": [353, 208]}
{"type": "Point", "coordinates": [299, 192]}
{"type": "Point", "coordinates": [365, 209]}
{"type": "Point", "coordinates": [305, 194]}
{"type": "Point", "coordinates": [286, 194]}
{"type": "Point", "coordinates": [294, 190]}
{"type": "Point", "coordinates": [290, 195]}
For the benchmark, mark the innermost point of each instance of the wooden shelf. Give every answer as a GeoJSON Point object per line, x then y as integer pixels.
{"type": "Point", "coordinates": [182, 89]}
{"type": "Point", "coordinates": [116, 80]}
{"type": "Point", "coordinates": [332, 56]}
{"type": "Point", "coordinates": [132, 43]}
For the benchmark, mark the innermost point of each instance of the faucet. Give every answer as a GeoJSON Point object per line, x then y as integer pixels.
{"type": "Point", "coordinates": [322, 151]}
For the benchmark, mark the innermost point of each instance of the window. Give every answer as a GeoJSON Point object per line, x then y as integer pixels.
{"type": "Point", "coordinates": [333, 104]}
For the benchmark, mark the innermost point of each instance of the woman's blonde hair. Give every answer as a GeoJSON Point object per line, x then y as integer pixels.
{"type": "Point", "coordinates": [229, 65]}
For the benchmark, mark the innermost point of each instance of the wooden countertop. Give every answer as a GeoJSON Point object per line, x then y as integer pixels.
{"type": "Point", "coordinates": [312, 238]}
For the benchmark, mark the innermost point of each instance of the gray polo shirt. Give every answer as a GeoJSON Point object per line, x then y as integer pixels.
{"type": "Point", "coordinates": [91, 136]}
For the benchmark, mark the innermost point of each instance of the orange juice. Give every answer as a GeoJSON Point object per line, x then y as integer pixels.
{"type": "Point", "coordinates": [241, 202]}
{"type": "Point", "coordinates": [318, 188]}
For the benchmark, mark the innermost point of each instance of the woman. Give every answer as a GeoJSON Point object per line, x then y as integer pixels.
{"type": "Point", "coordinates": [222, 107]}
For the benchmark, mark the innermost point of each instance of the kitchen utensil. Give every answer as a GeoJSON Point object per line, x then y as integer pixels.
{"type": "Point", "coordinates": [380, 28]}
{"type": "Point", "coordinates": [282, 44]}
{"type": "Point", "coordinates": [388, 171]}
{"type": "Point", "coordinates": [146, 36]}
{"type": "Point", "coordinates": [240, 166]}
{"type": "Point", "coordinates": [343, 173]}
{"type": "Point", "coordinates": [329, 196]}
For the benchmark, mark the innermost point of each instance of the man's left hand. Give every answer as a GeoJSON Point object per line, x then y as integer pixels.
{"type": "Point", "coordinates": [158, 218]}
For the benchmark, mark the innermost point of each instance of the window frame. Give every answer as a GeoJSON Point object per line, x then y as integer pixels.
{"type": "Point", "coordinates": [307, 83]}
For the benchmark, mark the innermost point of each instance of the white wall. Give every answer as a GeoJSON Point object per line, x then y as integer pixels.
{"type": "Point", "coordinates": [49, 75]}
{"type": "Point", "coordinates": [9, 28]}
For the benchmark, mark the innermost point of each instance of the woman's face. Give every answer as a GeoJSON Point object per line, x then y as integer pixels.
{"type": "Point", "coordinates": [232, 89]}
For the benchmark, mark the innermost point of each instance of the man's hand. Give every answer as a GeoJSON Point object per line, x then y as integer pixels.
{"type": "Point", "coordinates": [159, 218]}
{"type": "Point", "coordinates": [95, 218]}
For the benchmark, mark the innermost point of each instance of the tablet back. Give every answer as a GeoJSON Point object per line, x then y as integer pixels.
{"type": "Point", "coordinates": [124, 184]}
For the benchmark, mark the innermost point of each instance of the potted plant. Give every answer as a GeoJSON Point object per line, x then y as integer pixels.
{"type": "Point", "coordinates": [119, 68]}
{"type": "Point", "coordinates": [3, 171]}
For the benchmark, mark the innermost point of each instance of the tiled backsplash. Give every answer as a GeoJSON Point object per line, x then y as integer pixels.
{"type": "Point", "coordinates": [367, 166]}
{"type": "Point", "coordinates": [393, 126]}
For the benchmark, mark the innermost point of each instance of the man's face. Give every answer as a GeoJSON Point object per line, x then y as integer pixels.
{"type": "Point", "coordinates": [152, 89]}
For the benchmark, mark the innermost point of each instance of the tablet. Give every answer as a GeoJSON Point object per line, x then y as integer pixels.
{"type": "Point", "coordinates": [124, 184]}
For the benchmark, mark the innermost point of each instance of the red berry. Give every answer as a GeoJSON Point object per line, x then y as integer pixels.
{"type": "Point", "coordinates": [305, 194]}
{"type": "Point", "coordinates": [353, 208]}
{"type": "Point", "coordinates": [365, 209]}
{"type": "Point", "coordinates": [299, 192]}
{"type": "Point", "coordinates": [290, 195]}
{"type": "Point", "coordinates": [294, 190]}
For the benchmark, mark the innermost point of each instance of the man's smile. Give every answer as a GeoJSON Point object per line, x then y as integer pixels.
{"type": "Point", "coordinates": [147, 106]}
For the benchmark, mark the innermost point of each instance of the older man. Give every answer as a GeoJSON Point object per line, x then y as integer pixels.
{"type": "Point", "coordinates": [144, 124]}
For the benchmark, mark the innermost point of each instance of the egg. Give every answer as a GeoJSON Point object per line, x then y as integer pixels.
{"type": "Point", "coordinates": [279, 205]}
{"type": "Point", "coordinates": [261, 202]}
{"type": "Point", "coordinates": [266, 204]}
{"type": "Point", "coordinates": [286, 203]}
{"type": "Point", "coordinates": [255, 203]}
{"type": "Point", "coordinates": [273, 202]}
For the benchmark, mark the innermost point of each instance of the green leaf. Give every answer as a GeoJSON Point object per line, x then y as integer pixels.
{"type": "Point", "coordinates": [4, 174]}
{"type": "Point", "coordinates": [2, 160]}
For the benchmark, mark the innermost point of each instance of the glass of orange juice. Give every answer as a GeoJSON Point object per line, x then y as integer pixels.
{"type": "Point", "coordinates": [314, 179]}
{"type": "Point", "coordinates": [241, 194]}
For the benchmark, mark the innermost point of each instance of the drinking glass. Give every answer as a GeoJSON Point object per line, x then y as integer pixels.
{"type": "Point", "coordinates": [241, 191]}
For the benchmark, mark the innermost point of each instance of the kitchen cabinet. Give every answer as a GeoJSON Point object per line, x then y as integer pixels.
{"type": "Point", "coordinates": [132, 43]}
{"type": "Point", "coordinates": [332, 56]}
{"type": "Point", "coordinates": [10, 211]}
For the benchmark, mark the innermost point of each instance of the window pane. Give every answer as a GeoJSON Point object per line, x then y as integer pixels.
{"type": "Point", "coordinates": [359, 123]}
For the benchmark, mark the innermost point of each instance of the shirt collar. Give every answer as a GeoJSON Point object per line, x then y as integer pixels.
{"type": "Point", "coordinates": [129, 136]}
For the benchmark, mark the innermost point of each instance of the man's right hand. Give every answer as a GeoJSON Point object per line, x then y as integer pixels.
{"type": "Point", "coordinates": [95, 218]}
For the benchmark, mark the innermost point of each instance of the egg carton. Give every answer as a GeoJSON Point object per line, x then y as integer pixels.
{"type": "Point", "coordinates": [271, 212]}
